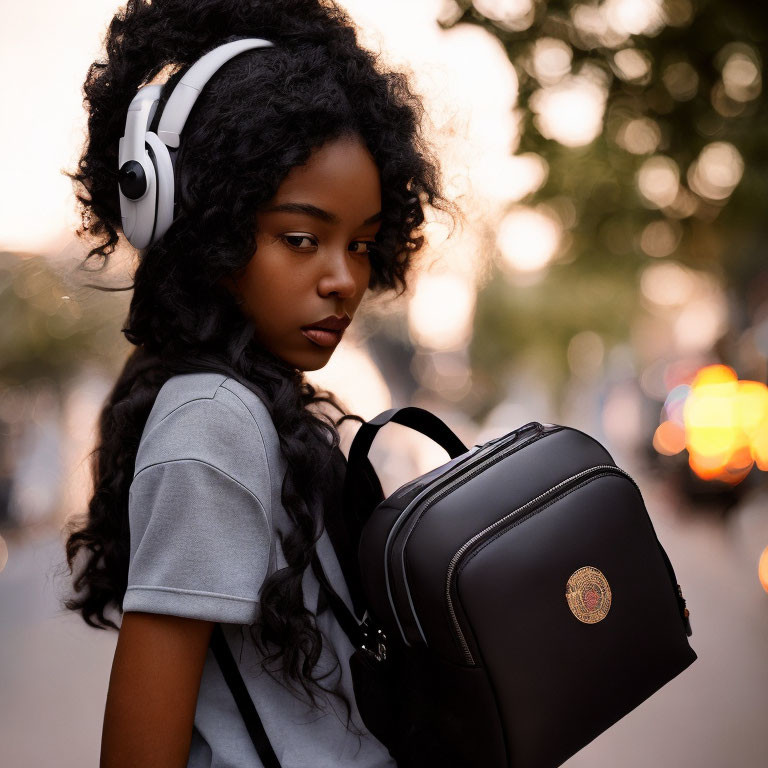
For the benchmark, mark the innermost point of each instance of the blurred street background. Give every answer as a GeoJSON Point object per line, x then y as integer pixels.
{"type": "Point", "coordinates": [609, 274]}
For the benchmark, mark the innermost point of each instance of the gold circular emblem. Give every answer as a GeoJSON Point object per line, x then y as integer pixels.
{"type": "Point", "coordinates": [588, 594]}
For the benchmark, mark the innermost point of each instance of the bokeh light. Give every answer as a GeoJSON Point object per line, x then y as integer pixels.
{"type": "Point", "coordinates": [659, 180]}
{"type": "Point", "coordinates": [634, 17]}
{"type": "Point", "coordinates": [632, 65]}
{"type": "Point", "coordinates": [551, 60]}
{"type": "Point", "coordinates": [669, 438]}
{"type": "Point", "coordinates": [660, 238]}
{"type": "Point", "coordinates": [742, 80]}
{"type": "Point", "coordinates": [528, 239]}
{"type": "Point", "coordinates": [667, 284]}
{"type": "Point", "coordinates": [640, 136]}
{"type": "Point", "coordinates": [506, 179]}
{"type": "Point", "coordinates": [700, 322]}
{"type": "Point", "coordinates": [762, 569]}
{"type": "Point", "coordinates": [570, 112]}
{"type": "Point", "coordinates": [353, 377]}
{"type": "Point", "coordinates": [716, 172]}
{"type": "Point", "coordinates": [515, 15]}
{"type": "Point", "coordinates": [678, 13]}
{"type": "Point", "coordinates": [681, 80]}
{"type": "Point", "coordinates": [591, 25]}
{"type": "Point", "coordinates": [724, 424]}
{"type": "Point", "coordinates": [441, 310]}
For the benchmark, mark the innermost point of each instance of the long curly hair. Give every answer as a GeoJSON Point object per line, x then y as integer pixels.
{"type": "Point", "coordinates": [259, 116]}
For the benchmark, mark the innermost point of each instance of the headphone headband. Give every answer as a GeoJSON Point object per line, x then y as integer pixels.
{"type": "Point", "coordinates": [146, 184]}
{"type": "Point", "coordinates": [187, 90]}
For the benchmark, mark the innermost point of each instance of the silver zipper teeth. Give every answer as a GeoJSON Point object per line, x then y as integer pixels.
{"type": "Point", "coordinates": [393, 532]}
{"type": "Point", "coordinates": [506, 518]}
{"type": "Point", "coordinates": [430, 499]}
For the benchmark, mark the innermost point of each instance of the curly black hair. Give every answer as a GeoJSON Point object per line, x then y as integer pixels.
{"type": "Point", "coordinates": [259, 116]}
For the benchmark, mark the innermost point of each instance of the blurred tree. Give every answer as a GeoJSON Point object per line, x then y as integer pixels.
{"type": "Point", "coordinates": [50, 323]}
{"type": "Point", "coordinates": [650, 117]}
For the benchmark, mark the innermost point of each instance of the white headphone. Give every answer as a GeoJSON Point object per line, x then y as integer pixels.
{"type": "Point", "coordinates": [146, 183]}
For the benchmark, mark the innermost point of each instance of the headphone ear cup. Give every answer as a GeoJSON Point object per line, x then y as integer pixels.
{"type": "Point", "coordinates": [164, 181]}
{"type": "Point", "coordinates": [137, 185]}
{"type": "Point", "coordinates": [138, 216]}
{"type": "Point", "coordinates": [146, 166]}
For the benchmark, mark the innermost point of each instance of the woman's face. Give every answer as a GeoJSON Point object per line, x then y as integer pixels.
{"type": "Point", "coordinates": [311, 258]}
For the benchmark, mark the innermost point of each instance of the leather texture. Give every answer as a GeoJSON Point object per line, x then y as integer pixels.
{"type": "Point", "coordinates": [466, 569]}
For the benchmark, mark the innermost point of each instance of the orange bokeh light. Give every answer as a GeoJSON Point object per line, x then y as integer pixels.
{"type": "Point", "coordinates": [714, 374]}
{"type": "Point", "coordinates": [762, 569]}
{"type": "Point", "coordinates": [725, 426]}
{"type": "Point", "coordinates": [669, 438]}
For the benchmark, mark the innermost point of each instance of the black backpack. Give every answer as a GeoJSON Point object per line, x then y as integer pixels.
{"type": "Point", "coordinates": [513, 603]}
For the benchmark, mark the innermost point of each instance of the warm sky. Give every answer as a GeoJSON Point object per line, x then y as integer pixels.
{"type": "Point", "coordinates": [47, 45]}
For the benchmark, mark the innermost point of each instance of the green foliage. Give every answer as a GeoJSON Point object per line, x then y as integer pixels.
{"type": "Point", "coordinates": [702, 83]}
{"type": "Point", "coordinates": [48, 328]}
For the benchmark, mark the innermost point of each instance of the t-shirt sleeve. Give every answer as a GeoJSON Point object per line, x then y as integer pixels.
{"type": "Point", "coordinates": [200, 539]}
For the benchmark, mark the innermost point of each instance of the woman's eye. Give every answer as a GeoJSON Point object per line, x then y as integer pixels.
{"type": "Point", "coordinates": [302, 242]}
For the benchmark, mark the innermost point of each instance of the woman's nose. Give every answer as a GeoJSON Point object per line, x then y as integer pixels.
{"type": "Point", "coordinates": [338, 276]}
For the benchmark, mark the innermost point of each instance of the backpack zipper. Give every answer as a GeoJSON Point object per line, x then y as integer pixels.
{"type": "Point", "coordinates": [553, 492]}
{"type": "Point", "coordinates": [434, 494]}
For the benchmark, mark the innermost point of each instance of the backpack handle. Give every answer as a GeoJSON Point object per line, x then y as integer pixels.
{"type": "Point", "coordinates": [412, 416]}
{"type": "Point", "coordinates": [362, 488]}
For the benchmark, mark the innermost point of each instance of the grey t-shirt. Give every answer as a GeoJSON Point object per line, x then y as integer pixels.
{"type": "Point", "coordinates": [204, 511]}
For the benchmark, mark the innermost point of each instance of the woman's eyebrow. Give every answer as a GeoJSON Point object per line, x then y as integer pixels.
{"type": "Point", "coordinates": [312, 210]}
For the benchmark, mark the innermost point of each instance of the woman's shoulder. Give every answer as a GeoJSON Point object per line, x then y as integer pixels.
{"type": "Point", "coordinates": [210, 417]}
{"type": "Point", "coordinates": [206, 386]}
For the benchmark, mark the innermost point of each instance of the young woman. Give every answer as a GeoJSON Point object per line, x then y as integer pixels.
{"type": "Point", "coordinates": [300, 181]}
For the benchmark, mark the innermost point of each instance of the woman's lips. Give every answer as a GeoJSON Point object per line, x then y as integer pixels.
{"type": "Point", "coordinates": [322, 337]}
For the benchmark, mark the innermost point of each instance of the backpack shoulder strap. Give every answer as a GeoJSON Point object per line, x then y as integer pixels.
{"type": "Point", "coordinates": [341, 519]}
{"type": "Point", "coordinates": [244, 703]}
{"type": "Point", "coordinates": [348, 622]}
{"type": "Point", "coordinates": [361, 493]}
